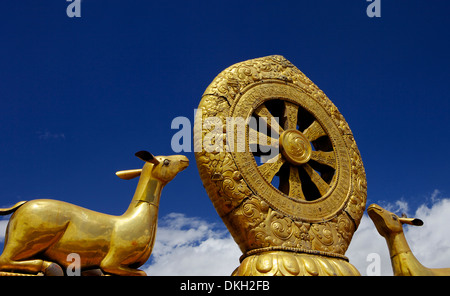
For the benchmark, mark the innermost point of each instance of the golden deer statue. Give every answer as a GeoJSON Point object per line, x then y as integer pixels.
{"type": "Point", "coordinates": [390, 226]}
{"type": "Point", "coordinates": [42, 233]}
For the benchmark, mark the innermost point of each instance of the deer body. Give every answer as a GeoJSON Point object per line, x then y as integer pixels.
{"type": "Point", "coordinates": [404, 263]}
{"type": "Point", "coordinates": [42, 232]}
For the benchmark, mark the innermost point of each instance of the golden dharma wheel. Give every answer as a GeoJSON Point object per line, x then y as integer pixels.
{"type": "Point", "coordinates": [282, 169]}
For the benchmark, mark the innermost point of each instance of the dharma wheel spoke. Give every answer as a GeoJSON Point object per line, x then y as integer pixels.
{"type": "Point", "coordinates": [290, 115]}
{"type": "Point", "coordinates": [265, 114]}
{"type": "Point", "coordinates": [295, 185]}
{"type": "Point", "coordinates": [304, 166]}
{"type": "Point", "coordinates": [321, 185]}
{"type": "Point", "coordinates": [326, 158]}
{"type": "Point", "coordinates": [314, 131]}
{"type": "Point", "coordinates": [257, 138]}
{"type": "Point", "coordinates": [271, 167]}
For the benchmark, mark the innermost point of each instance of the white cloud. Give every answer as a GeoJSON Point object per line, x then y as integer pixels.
{"type": "Point", "coordinates": [365, 241]}
{"type": "Point", "coordinates": [430, 243]}
{"type": "Point", "coordinates": [400, 206]}
{"type": "Point", "coordinates": [191, 246]}
{"type": "Point", "coordinates": [48, 135]}
{"type": "Point", "coordinates": [3, 224]}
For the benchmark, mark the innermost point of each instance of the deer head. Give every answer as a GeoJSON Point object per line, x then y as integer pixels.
{"type": "Point", "coordinates": [387, 222]}
{"type": "Point", "coordinates": [162, 168]}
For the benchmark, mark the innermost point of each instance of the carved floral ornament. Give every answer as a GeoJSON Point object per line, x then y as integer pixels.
{"type": "Point", "coordinates": [293, 211]}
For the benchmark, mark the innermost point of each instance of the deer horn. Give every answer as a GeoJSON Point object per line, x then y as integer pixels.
{"type": "Point", "coordinates": [147, 156]}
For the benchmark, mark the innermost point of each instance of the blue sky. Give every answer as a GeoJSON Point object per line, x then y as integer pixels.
{"type": "Point", "coordinates": [79, 96]}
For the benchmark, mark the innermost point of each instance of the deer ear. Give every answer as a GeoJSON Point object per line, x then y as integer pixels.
{"type": "Point", "coordinates": [147, 156]}
{"type": "Point", "coordinates": [129, 174]}
{"type": "Point", "coordinates": [411, 221]}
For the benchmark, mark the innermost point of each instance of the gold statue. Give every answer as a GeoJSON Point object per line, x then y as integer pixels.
{"type": "Point", "coordinates": [41, 233]}
{"type": "Point", "coordinates": [390, 226]}
{"type": "Point", "coordinates": [295, 213]}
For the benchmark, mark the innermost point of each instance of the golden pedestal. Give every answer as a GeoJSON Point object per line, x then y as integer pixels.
{"type": "Point", "coordinates": [282, 263]}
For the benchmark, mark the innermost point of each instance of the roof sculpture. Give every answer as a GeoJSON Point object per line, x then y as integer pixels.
{"type": "Point", "coordinates": [281, 166]}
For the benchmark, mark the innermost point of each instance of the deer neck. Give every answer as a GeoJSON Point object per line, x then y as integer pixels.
{"type": "Point", "coordinates": [402, 258]}
{"type": "Point", "coordinates": [148, 194]}
{"type": "Point", "coordinates": [397, 244]}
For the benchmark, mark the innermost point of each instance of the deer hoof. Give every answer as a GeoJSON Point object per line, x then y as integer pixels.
{"type": "Point", "coordinates": [53, 269]}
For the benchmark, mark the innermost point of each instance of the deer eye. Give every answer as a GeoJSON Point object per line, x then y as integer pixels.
{"type": "Point", "coordinates": [166, 162]}
{"type": "Point", "coordinates": [394, 217]}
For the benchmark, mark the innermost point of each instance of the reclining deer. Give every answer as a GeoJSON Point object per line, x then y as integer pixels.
{"type": "Point", "coordinates": [41, 233]}
{"type": "Point", "coordinates": [390, 226]}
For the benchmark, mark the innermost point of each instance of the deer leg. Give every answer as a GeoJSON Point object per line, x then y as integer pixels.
{"type": "Point", "coordinates": [18, 259]}
{"type": "Point", "coordinates": [18, 256]}
{"type": "Point", "coordinates": [112, 264]}
{"type": "Point", "coordinates": [123, 271]}
{"type": "Point", "coordinates": [31, 266]}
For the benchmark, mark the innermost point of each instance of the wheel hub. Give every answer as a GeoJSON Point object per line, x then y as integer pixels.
{"type": "Point", "coordinates": [295, 147]}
